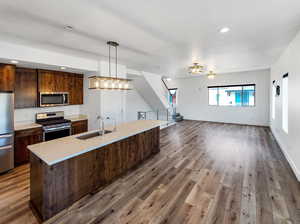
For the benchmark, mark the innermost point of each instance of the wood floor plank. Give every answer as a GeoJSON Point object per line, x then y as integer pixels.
{"type": "Point", "coordinates": [205, 173]}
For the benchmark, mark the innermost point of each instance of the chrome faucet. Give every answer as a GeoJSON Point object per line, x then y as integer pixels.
{"type": "Point", "coordinates": [101, 125]}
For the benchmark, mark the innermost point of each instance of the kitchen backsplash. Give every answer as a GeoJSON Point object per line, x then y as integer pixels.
{"type": "Point", "coordinates": [28, 115]}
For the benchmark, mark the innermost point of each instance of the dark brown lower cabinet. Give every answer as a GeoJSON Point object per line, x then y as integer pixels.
{"type": "Point", "coordinates": [24, 138]}
{"type": "Point", "coordinates": [54, 188]}
{"type": "Point", "coordinates": [79, 127]}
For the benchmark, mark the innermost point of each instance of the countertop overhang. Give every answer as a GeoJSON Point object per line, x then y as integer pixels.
{"type": "Point", "coordinates": [59, 150]}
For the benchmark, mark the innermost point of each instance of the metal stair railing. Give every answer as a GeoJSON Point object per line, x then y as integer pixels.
{"type": "Point", "coordinates": [164, 115]}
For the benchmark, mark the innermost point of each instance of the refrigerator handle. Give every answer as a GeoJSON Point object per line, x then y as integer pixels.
{"type": "Point", "coordinates": [6, 136]}
{"type": "Point", "coordinates": [6, 147]}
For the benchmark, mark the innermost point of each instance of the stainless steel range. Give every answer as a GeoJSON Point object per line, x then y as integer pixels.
{"type": "Point", "coordinates": [54, 125]}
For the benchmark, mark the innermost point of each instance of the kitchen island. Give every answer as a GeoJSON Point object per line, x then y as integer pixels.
{"type": "Point", "coordinates": [64, 170]}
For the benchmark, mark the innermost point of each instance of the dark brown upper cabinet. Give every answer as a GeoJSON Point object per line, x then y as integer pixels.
{"type": "Point", "coordinates": [56, 81]}
{"type": "Point", "coordinates": [76, 89]}
{"type": "Point", "coordinates": [52, 81]}
{"type": "Point", "coordinates": [26, 88]}
{"type": "Point", "coordinates": [7, 77]}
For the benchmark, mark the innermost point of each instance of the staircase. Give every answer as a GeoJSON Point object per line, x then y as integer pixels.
{"type": "Point", "coordinates": [150, 87]}
{"type": "Point", "coordinates": [156, 93]}
{"type": "Point", "coordinates": [177, 117]}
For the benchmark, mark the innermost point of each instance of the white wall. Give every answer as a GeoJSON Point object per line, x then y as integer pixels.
{"type": "Point", "coordinates": [290, 143]}
{"type": "Point", "coordinates": [134, 104]}
{"type": "Point", "coordinates": [193, 98]}
{"type": "Point", "coordinates": [157, 85]}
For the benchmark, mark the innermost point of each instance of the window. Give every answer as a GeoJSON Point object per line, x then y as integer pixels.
{"type": "Point", "coordinates": [173, 96]}
{"type": "Point", "coordinates": [273, 100]}
{"type": "Point", "coordinates": [233, 95]}
{"type": "Point", "coordinates": [213, 96]}
{"type": "Point", "coordinates": [285, 105]}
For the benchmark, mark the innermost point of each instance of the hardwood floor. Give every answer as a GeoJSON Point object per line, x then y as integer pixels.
{"type": "Point", "coordinates": [205, 173]}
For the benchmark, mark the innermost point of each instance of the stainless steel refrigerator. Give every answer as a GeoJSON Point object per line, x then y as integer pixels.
{"type": "Point", "coordinates": [6, 131]}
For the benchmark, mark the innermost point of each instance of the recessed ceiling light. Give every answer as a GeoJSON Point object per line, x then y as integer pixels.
{"type": "Point", "coordinates": [168, 79]}
{"type": "Point", "coordinates": [63, 68]}
{"type": "Point", "coordinates": [69, 28]}
{"type": "Point", "coordinates": [224, 30]}
{"type": "Point", "coordinates": [14, 61]}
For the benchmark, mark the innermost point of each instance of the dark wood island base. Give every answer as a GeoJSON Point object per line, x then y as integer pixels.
{"type": "Point", "coordinates": [54, 188]}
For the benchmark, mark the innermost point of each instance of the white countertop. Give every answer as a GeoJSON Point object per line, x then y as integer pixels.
{"type": "Point", "coordinates": [61, 149]}
{"type": "Point", "coordinates": [19, 126]}
{"type": "Point", "coordinates": [75, 118]}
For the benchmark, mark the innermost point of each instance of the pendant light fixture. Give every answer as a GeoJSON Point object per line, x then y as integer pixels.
{"type": "Point", "coordinates": [196, 68]}
{"type": "Point", "coordinates": [211, 75]}
{"type": "Point", "coordinates": [110, 82]}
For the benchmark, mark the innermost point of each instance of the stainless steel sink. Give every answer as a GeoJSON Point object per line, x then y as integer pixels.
{"type": "Point", "coordinates": [92, 135]}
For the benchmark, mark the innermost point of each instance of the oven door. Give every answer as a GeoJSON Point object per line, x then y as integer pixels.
{"type": "Point", "coordinates": [54, 133]}
{"type": "Point", "coordinates": [54, 99]}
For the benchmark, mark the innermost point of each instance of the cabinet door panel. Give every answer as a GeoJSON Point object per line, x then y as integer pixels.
{"type": "Point", "coordinates": [7, 77]}
{"type": "Point", "coordinates": [53, 81]}
{"type": "Point", "coordinates": [79, 127]}
{"type": "Point", "coordinates": [22, 140]}
{"type": "Point", "coordinates": [26, 88]}
{"type": "Point", "coordinates": [76, 89]}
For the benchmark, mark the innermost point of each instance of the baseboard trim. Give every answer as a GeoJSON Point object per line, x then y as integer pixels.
{"type": "Point", "coordinates": [286, 155]}
{"type": "Point", "coordinates": [220, 122]}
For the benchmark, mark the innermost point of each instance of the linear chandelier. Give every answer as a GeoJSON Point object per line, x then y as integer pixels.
{"type": "Point", "coordinates": [110, 82]}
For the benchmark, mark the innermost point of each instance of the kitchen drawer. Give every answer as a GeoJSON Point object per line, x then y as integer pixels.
{"type": "Point", "coordinates": [7, 139]}
{"type": "Point", "coordinates": [6, 158]}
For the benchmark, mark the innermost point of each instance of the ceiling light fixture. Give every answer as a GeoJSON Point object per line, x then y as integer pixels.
{"type": "Point", "coordinates": [69, 28]}
{"type": "Point", "coordinates": [14, 61]}
{"type": "Point", "coordinates": [196, 68]}
{"type": "Point", "coordinates": [62, 67]}
{"type": "Point", "coordinates": [211, 75]}
{"type": "Point", "coordinates": [224, 30]}
{"type": "Point", "coordinates": [168, 79]}
{"type": "Point", "coordinates": [110, 82]}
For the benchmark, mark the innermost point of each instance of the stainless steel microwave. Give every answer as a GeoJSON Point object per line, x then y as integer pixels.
{"type": "Point", "coordinates": [51, 99]}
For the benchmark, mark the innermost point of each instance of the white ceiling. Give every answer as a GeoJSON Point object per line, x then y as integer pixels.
{"type": "Point", "coordinates": [158, 36]}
